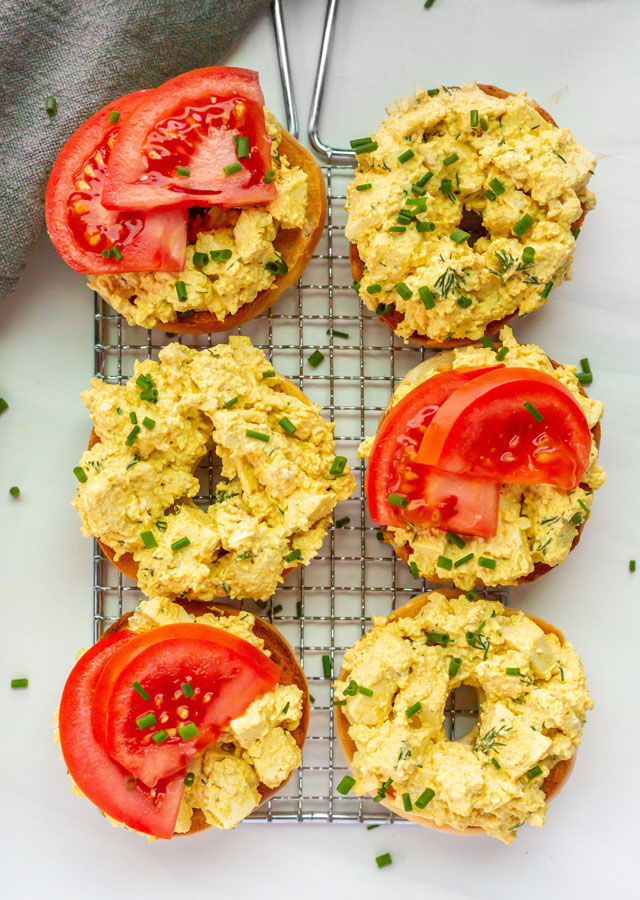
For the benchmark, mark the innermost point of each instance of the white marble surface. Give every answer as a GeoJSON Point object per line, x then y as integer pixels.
{"type": "Point", "coordinates": [578, 58]}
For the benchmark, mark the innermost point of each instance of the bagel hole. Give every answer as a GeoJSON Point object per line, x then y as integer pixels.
{"type": "Point", "coordinates": [471, 221]}
{"type": "Point", "coordinates": [461, 712]}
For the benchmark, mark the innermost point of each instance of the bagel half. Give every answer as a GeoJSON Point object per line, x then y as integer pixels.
{"type": "Point", "coordinates": [393, 319]}
{"type": "Point", "coordinates": [126, 563]}
{"type": "Point", "coordinates": [290, 673]}
{"type": "Point", "coordinates": [553, 783]}
{"type": "Point", "coordinates": [540, 568]}
{"type": "Point", "coordinates": [295, 245]}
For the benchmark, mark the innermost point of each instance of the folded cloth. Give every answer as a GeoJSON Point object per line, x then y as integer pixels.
{"type": "Point", "coordinates": [86, 53]}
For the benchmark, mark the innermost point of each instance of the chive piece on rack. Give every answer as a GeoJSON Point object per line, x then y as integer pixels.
{"type": "Point", "coordinates": [138, 687]}
{"type": "Point", "coordinates": [337, 466]}
{"type": "Point", "coordinates": [455, 539]}
{"type": "Point", "coordinates": [413, 709]}
{"type": "Point", "coordinates": [182, 170]}
{"type": "Point", "coordinates": [148, 539]}
{"type": "Point", "coordinates": [405, 292]}
{"type": "Point", "coordinates": [413, 568]}
{"type": "Point", "coordinates": [19, 683]}
{"type": "Point", "coordinates": [268, 176]}
{"type": "Point", "coordinates": [585, 377]}
{"type": "Point", "coordinates": [454, 666]}
{"type": "Point", "coordinates": [632, 565]}
{"type": "Point", "coordinates": [342, 522]}
{"type": "Point", "coordinates": [242, 146]}
{"type": "Point", "coordinates": [443, 562]}
{"type": "Point", "coordinates": [385, 858]}
{"type": "Point", "coordinates": [406, 156]}
{"type": "Point", "coordinates": [336, 333]}
{"type": "Point", "coordinates": [530, 408]}
{"type": "Point", "coordinates": [257, 435]}
{"type": "Point", "coordinates": [14, 491]}
{"type": "Point", "coordinates": [426, 295]}
{"type": "Point", "coordinates": [326, 666]}
{"type": "Point", "coordinates": [398, 500]}
{"type": "Point", "coordinates": [463, 560]}
{"type": "Point", "coordinates": [3, 405]}
{"type": "Point", "coordinates": [316, 358]}
{"type": "Point", "coordinates": [379, 536]}
{"type": "Point", "coordinates": [425, 798]}
{"type": "Point", "coordinates": [80, 474]}
{"type": "Point", "coordinates": [232, 168]}
{"type": "Point", "coordinates": [585, 365]}
{"type": "Point", "coordinates": [180, 544]}
{"type": "Point", "coordinates": [287, 426]}
{"type": "Point", "coordinates": [295, 554]}
{"type": "Point", "coordinates": [345, 785]}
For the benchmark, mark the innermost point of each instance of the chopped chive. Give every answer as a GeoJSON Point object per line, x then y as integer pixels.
{"type": "Point", "coordinates": [355, 285]}
{"type": "Point", "coordinates": [523, 225]}
{"type": "Point", "coordinates": [51, 106]}
{"type": "Point", "coordinates": [138, 687]}
{"type": "Point", "coordinates": [398, 500]}
{"type": "Point", "coordinates": [269, 374]}
{"type": "Point", "coordinates": [359, 142]}
{"type": "Point", "coordinates": [336, 333]}
{"type": "Point", "coordinates": [425, 226]}
{"type": "Point", "coordinates": [576, 519]}
{"type": "Point", "coordinates": [371, 827]}
{"type": "Point", "coordinates": [326, 666]}
{"type": "Point", "coordinates": [257, 435]}
{"type": "Point", "coordinates": [19, 683]}
{"type": "Point", "coordinates": [385, 858]}
{"type": "Point", "coordinates": [345, 785]}
{"type": "Point", "coordinates": [497, 186]}
{"type": "Point", "coordinates": [424, 179]}
{"type": "Point", "coordinates": [316, 358]}
{"type": "Point", "coordinates": [379, 536]}
{"type": "Point", "coordinates": [287, 426]}
{"type": "Point", "coordinates": [374, 289]}
{"type": "Point", "coordinates": [131, 783]}
{"type": "Point", "coordinates": [405, 292]}
{"type": "Point", "coordinates": [14, 491]}
{"type": "Point", "coordinates": [278, 266]}
{"type": "Point", "coordinates": [487, 342]}
{"type": "Point", "coordinates": [339, 702]}
{"type": "Point", "coordinates": [3, 405]}
{"type": "Point", "coordinates": [433, 91]}
{"type": "Point", "coordinates": [368, 147]}
{"type": "Point", "coordinates": [530, 408]}
{"type": "Point", "coordinates": [484, 124]}
{"type": "Point", "coordinates": [116, 253]}
{"type": "Point", "coordinates": [413, 709]}
{"type": "Point", "coordinates": [133, 434]}
{"type": "Point", "coordinates": [200, 259]}
{"type": "Point", "coordinates": [232, 168]}
{"type": "Point", "coordinates": [188, 731]}
{"type": "Point", "coordinates": [533, 773]}
{"type": "Point", "coordinates": [546, 289]}
{"type": "Point", "coordinates": [367, 692]}
{"type": "Point", "coordinates": [217, 255]}
{"type": "Point", "coordinates": [585, 377]}
{"type": "Point", "coordinates": [495, 763]}
{"type": "Point", "coordinates": [512, 670]}
{"type": "Point", "coordinates": [447, 161]}
{"type": "Point", "coordinates": [486, 562]}
{"type": "Point", "coordinates": [437, 637]}
{"type": "Point", "coordinates": [180, 544]}
{"type": "Point", "coordinates": [463, 560]}
{"type": "Point", "coordinates": [342, 522]}
{"type": "Point", "coordinates": [397, 229]}
{"type": "Point", "coordinates": [425, 798]}
{"type": "Point", "coordinates": [351, 689]}
{"type": "Point", "coordinates": [459, 235]}
{"type": "Point", "coordinates": [149, 423]}
{"type": "Point", "coordinates": [182, 170]}
{"type": "Point", "coordinates": [454, 666]}
{"type": "Point", "coordinates": [268, 176]}
{"type": "Point", "coordinates": [80, 474]}
{"type": "Point", "coordinates": [404, 219]}
{"type": "Point", "coordinates": [528, 255]}
{"type": "Point", "coordinates": [278, 609]}
{"type": "Point", "coordinates": [406, 156]}
{"type": "Point", "coordinates": [133, 418]}
{"type": "Point", "coordinates": [418, 191]}
{"type": "Point", "coordinates": [364, 187]}
{"type": "Point", "coordinates": [295, 554]}
{"type": "Point", "coordinates": [490, 195]}
{"type": "Point", "coordinates": [114, 116]}
{"type": "Point", "coordinates": [160, 736]}
{"type": "Point", "coordinates": [455, 539]}
{"type": "Point", "coordinates": [187, 690]}
{"type": "Point", "coordinates": [464, 302]}
{"type": "Point", "coordinates": [446, 186]}
{"type": "Point", "coordinates": [181, 291]}
{"type": "Point", "coordinates": [242, 146]}
{"type": "Point", "coordinates": [413, 568]}
{"type": "Point", "coordinates": [337, 466]}
{"type": "Point", "coordinates": [146, 721]}
{"type": "Point", "coordinates": [189, 778]}
{"type": "Point", "coordinates": [474, 117]}
{"type": "Point", "coordinates": [406, 802]}
{"type": "Point", "coordinates": [585, 507]}
{"type": "Point", "coordinates": [502, 352]}
{"type": "Point", "coordinates": [426, 295]}
{"type": "Point", "coordinates": [443, 562]}
{"type": "Point", "coordinates": [471, 596]}
{"type": "Point", "coordinates": [575, 232]}
{"type": "Point", "coordinates": [230, 403]}
{"type": "Point", "coordinates": [632, 565]}
{"type": "Point", "coordinates": [148, 539]}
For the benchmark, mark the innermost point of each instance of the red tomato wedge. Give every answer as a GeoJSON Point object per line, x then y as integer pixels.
{"type": "Point", "coordinates": [174, 150]}
{"type": "Point", "coordinates": [79, 225]}
{"type": "Point", "coordinates": [514, 425]}
{"type": "Point", "coordinates": [100, 779]}
{"type": "Point", "coordinates": [197, 677]}
{"type": "Point", "coordinates": [463, 504]}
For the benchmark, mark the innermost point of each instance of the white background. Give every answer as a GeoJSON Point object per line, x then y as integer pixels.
{"type": "Point", "coordinates": [579, 59]}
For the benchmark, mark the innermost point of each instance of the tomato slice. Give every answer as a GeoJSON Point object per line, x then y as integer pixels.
{"type": "Point", "coordinates": [174, 150]}
{"type": "Point", "coordinates": [221, 673]}
{"type": "Point", "coordinates": [514, 425]}
{"type": "Point", "coordinates": [100, 779]}
{"type": "Point", "coordinates": [459, 504]}
{"type": "Point", "coordinates": [79, 225]}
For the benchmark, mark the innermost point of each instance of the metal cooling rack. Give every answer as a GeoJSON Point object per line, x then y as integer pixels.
{"type": "Point", "coordinates": [324, 608]}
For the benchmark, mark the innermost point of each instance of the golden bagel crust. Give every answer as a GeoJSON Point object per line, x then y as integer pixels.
{"type": "Point", "coordinates": [540, 568]}
{"type": "Point", "coordinates": [290, 673]}
{"type": "Point", "coordinates": [295, 245]}
{"type": "Point", "coordinates": [553, 783]}
{"type": "Point", "coordinates": [126, 563]}
{"type": "Point", "coordinates": [393, 319]}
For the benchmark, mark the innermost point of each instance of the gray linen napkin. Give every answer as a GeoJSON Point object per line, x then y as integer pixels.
{"type": "Point", "coordinates": [85, 54]}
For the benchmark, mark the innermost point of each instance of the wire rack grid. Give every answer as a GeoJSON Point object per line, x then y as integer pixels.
{"type": "Point", "coordinates": [324, 608]}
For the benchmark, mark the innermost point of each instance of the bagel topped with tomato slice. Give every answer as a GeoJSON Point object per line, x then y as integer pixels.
{"type": "Point", "coordinates": [177, 719]}
{"type": "Point", "coordinates": [464, 212]}
{"type": "Point", "coordinates": [484, 464]}
{"type": "Point", "coordinates": [188, 205]}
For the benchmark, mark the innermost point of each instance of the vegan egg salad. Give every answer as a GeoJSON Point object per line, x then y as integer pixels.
{"type": "Point", "coordinates": [537, 523]}
{"type": "Point", "coordinates": [463, 210]}
{"type": "Point", "coordinates": [280, 478]}
{"type": "Point", "coordinates": [532, 704]}
{"type": "Point", "coordinates": [230, 255]}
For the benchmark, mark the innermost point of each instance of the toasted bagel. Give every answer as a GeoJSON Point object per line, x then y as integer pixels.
{"type": "Point", "coordinates": [290, 673]}
{"type": "Point", "coordinates": [393, 319]}
{"type": "Point", "coordinates": [553, 783]}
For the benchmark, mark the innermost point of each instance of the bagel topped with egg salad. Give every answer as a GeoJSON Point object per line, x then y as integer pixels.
{"type": "Point", "coordinates": [464, 212]}
{"type": "Point", "coordinates": [484, 464]}
{"type": "Point", "coordinates": [194, 209]}
{"type": "Point", "coordinates": [182, 717]}
{"type": "Point", "coordinates": [390, 709]}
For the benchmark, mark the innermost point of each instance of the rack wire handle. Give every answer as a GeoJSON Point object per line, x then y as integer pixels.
{"type": "Point", "coordinates": [325, 150]}
{"type": "Point", "coordinates": [285, 69]}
